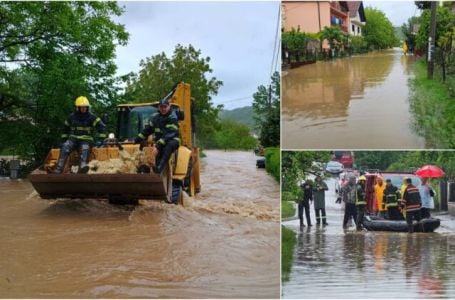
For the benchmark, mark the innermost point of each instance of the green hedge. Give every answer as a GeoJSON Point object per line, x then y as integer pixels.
{"type": "Point", "coordinates": [287, 209]}
{"type": "Point", "coordinates": [272, 162]}
{"type": "Point", "coordinates": [288, 241]}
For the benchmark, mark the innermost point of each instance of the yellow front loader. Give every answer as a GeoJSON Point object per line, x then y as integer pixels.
{"type": "Point", "coordinates": [182, 172]}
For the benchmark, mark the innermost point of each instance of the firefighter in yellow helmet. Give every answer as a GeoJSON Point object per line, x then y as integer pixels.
{"type": "Point", "coordinates": [78, 134]}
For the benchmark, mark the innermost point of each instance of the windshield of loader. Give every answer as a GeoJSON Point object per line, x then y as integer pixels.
{"type": "Point", "coordinates": [133, 120]}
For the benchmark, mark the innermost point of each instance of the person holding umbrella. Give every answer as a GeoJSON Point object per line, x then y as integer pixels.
{"type": "Point", "coordinates": [425, 190]}
{"type": "Point", "coordinates": [426, 194]}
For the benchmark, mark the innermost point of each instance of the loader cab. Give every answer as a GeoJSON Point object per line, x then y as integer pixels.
{"type": "Point", "coordinates": [132, 119]}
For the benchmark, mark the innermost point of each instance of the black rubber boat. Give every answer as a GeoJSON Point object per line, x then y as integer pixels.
{"type": "Point", "coordinates": [374, 223]}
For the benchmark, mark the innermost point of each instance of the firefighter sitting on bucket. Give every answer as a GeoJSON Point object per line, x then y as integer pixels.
{"type": "Point", "coordinates": [78, 130]}
{"type": "Point", "coordinates": [165, 127]}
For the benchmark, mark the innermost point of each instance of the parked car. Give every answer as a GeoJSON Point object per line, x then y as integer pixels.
{"type": "Point", "coordinates": [260, 163]}
{"type": "Point", "coordinates": [344, 157]}
{"type": "Point", "coordinates": [334, 167]}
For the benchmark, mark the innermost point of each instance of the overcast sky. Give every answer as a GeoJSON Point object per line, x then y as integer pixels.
{"type": "Point", "coordinates": [398, 12]}
{"type": "Point", "coordinates": [239, 37]}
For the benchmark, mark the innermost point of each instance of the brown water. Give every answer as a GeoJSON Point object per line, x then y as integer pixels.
{"type": "Point", "coordinates": [332, 263]}
{"type": "Point", "coordinates": [224, 243]}
{"type": "Point", "coordinates": [358, 102]}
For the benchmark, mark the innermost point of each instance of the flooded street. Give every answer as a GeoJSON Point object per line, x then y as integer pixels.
{"type": "Point", "coordinates": [224, 243]}
{"type": "Point", "coordinates": [331, 263]}
{"type": "Point", "coordinates": [357, 102]}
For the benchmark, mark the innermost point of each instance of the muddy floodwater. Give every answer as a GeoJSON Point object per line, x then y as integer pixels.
{"type": "Point", "coordinates": [358, 102]}
{"type": "Point", "coordinates": [224, 243]}
{"type": "Point", "coordinates": [332, 263]}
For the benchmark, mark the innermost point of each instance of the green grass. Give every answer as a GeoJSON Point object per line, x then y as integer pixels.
{"type": "Point", "coordinates": [434, 109]}
{"type": "Point", "coordinates": [287, 209]}
{"type": "Point", "coordinates": [272, 162]}
{"type": "Point", "coordinates": [288, 241]}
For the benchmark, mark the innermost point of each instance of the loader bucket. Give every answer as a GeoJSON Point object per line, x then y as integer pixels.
{"type": "Point", "coordinates": [101, 186]}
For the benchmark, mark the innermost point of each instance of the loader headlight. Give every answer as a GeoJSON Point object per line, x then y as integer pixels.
{"type": "Point", "coordinates": [111, 136]}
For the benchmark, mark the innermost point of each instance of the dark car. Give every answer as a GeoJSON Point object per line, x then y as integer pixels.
{"type": "Point", "coordinates": [260, 163]}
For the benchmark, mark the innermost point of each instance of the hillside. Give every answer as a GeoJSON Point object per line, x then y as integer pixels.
{"type": "Point", "coordinates": [243, 115]}
{"type": "Point", "coordinates": [399, 34]}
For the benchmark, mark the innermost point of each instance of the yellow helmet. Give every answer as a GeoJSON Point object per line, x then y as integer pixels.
{"type": "Point", "coordinates": [81, 101]}
{"type": "Point", "coordinates": [362, 178]}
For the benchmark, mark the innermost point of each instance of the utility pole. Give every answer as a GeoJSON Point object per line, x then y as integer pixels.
{"type": "Point", "coordinates": [431, 41]}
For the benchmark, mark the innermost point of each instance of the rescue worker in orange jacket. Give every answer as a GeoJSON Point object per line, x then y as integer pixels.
{"type": "Point", "coordinates": [411, 201]}
{"type": "Point", "coordinates": [379, 191]}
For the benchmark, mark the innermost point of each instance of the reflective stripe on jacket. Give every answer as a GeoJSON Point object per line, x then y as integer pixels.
{"type": "Point", "coordinates": [411, 198]}
{"type": "Point", "coordinates": [81, 126]}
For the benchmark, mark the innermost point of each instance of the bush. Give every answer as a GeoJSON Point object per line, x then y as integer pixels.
{"type": "Point", "coordinates": [234, 136]}
{"type": "Point", "coordinates": [288, 241]}
{"type": "Point", "coordinates": [287, 209]}
{"type": "Point", "coordinates": [272, 162]}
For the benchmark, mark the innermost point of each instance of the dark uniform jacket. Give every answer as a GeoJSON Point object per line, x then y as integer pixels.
{"type": "Point", "coordinates": [164, 127]}
{"type": "Point", "coordinates": [411, 198]}
{"type": "Point", "coordinates": [391, 196]}
{"type": "Point", "coordinates": [307, 192]}
{"type": "Point", "coordinates": [81, 126]}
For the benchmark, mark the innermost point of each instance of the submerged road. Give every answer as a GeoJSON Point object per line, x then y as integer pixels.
{"type": "Point", "coordinates": [225, 243]}
{"type": "Point", "coordinates": [332, 263]}
{"type": "Point", "coordinates": [358, 102]}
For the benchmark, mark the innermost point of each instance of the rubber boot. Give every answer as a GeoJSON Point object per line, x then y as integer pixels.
{"type": "Point", "coordinates": [64, 152]}
{"type": "Point", "coordinates": [83, 166]}
{"type": "Point", "coordinates": [60, 165]}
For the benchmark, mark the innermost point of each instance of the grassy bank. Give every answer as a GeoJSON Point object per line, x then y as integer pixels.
{"type": "Point", "coordinates": [287, 209]}
{"type": "Point", "coordinates": [433, 108]}
{"type": "Point", "coordinates": [288, 241]}
{"type": "Point", "coordinates": [272, 162]}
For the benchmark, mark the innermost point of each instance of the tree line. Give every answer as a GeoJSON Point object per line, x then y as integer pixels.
{"type": "Point", "coordinates": [52, 52]}
{"type": "Point", "coordinates": [377, 33]}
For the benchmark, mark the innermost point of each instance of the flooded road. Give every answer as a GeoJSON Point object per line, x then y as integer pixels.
{"type": "Point", "coordinates": [358, 102]}
{"type": "Point", "coordinates": [331, 263]}
{"type": "Point", "coordinates": [224, 243]}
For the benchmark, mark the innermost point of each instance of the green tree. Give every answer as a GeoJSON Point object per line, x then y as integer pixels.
{"type": "Point", "coordinates": [50, 53]}
{"type": "Point", "coordinates": [233, 135]}
{"type": "Point", "coordinates": [334, 36]}
{"type": "Point", "coordinates": [358, 44]}
{"type": "Point", "coordinates": [417, 159]}
{"type": "Point", "coordinates": [266, 107]}
{"type": "Point", "coordinates": [294, 40]}
{"type": "Point", "coordinates": [407, 29]}
{"type": "Point", "coordinates": [378, 31]}
{"type": "Point", "coordinates": [295, 166]}
{"type": "Point", "coordinates": [159, 73]}
{"type": "Point", "coordinates": [445, 20]}
{"type": "Point", "coordinates": [380, 160]}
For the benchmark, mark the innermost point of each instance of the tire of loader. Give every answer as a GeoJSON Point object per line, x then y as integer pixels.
{"type": "Point", "coordinates": [190, 188]}
{"type": "Point", "coordinates": [119, 200]}
{"type": "Point", "coordinates": [177, 193]}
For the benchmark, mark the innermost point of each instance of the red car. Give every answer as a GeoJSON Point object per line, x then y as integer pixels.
{"type": "Point", "coordinates": [346, 158]}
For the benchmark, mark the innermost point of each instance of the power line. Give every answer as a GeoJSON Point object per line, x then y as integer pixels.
{"type": "Point", "coordinates": [276, 40]}
{"type": "Point", "coordinates": [237, 99]}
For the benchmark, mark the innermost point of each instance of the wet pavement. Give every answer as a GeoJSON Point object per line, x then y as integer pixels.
{"type": "Point", "coordinates": [359, 102]}
{"type": "Point", "coordinates": [223, 244]}
{"type": "Point", "coordinates": [332, 263]}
